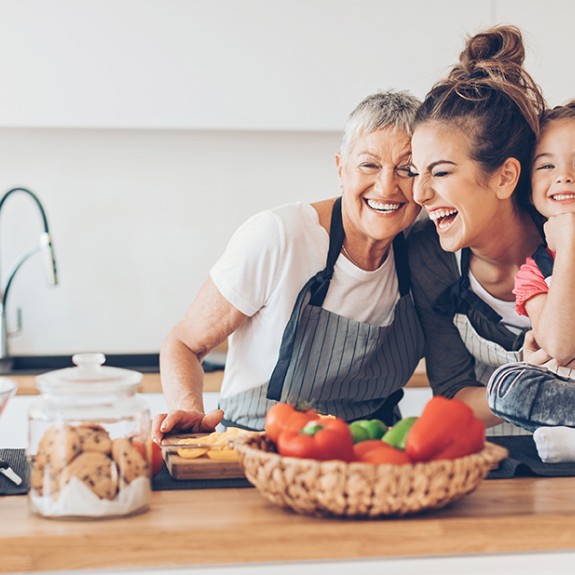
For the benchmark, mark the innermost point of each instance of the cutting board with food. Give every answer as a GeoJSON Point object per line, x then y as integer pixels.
{"type": "Point", "coordinates": [202, 455]}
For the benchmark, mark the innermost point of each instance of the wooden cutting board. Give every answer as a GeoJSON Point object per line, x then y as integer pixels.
{"type": "Point", "coordinates": [199, 467]}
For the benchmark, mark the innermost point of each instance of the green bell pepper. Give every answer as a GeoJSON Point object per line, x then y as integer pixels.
{"type": "Point", "coordinates": [364, 429]}
{"type": "Point", "coordinates": [396, 436]}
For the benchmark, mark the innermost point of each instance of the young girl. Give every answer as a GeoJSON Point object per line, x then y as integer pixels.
{"type": "Point", "coordinates": [545, 292]}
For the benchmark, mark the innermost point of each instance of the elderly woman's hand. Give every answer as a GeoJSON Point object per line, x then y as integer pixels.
{"type": "Point", "coordinates": [185, 421]}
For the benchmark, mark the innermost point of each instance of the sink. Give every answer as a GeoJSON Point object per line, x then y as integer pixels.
{"type": "Point", "coordinates": [7, 390]}
{"type": "Point", "coordinates": [142, 362]}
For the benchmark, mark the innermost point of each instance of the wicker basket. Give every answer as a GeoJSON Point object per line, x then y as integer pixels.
{"type": "Point", "coordinates": [360, 489]}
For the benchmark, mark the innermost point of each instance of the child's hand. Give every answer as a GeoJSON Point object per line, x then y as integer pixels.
{"type": "Point", "coordinates": [532, 353]}
{"type": "Point", "coordinates": [560, 231]}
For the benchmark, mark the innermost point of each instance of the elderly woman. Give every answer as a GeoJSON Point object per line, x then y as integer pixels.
{"type": "Point", "coordinates": [315, 298]}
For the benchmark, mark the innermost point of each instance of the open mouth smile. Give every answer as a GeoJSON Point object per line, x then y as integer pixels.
{"type": "Point", "coordinates": [443, 218]}
{"type": "Point", "coordinates": [383, 207]}
{"type": "Point", "coordinates": [563, 197]}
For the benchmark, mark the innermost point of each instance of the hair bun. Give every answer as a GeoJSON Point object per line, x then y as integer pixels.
{"type": "Point", "coordinates": [498, 44]}
{"type": "Point", "coordinates": [497, 53]}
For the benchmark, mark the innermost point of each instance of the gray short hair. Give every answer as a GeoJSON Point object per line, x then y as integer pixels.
{"type": "Point", "coordinates": [380, 110]}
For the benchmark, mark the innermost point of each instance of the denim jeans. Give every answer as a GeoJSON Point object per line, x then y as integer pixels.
{"type": "Point", "coordinates": [531, 396]}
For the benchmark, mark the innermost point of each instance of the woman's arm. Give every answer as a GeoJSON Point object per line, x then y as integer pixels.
{"type": "Point", "coordinates": [207, 323]}
{"type": "Point", "coordinates": [450, 366]}
{"type": "Point", "coordinates": [552, 314]}
{"type": "Point", "coordinates": [476, 398]}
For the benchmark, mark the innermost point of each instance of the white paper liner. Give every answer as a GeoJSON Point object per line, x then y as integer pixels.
{"type": "Point", "coordinates": [76, 499]}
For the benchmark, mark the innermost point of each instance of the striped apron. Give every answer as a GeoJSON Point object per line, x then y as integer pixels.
{"type": "Point", "coordinates": [488, 354]}
{"type": "Point", "coordinates": [337, 365]}
{"type": "Point", "coordinates": [459, 298]}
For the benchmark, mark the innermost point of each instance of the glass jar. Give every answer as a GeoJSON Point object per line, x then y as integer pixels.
{"type": "Point", "coordinates": [88, 444]}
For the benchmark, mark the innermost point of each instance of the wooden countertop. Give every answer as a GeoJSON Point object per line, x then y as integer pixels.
{"type": "Point", "coordinates": [236, 526]}
{"type": "Point", "coordinates": [212, 381]}
{"type": "Point", "coordinates": [150, 383]}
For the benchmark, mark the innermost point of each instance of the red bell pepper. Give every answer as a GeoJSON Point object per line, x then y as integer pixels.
{"type": "Point", "coordinates": [284, 416]}
{"type": "Point", "coordinates": [446, 429]}
{"type": "Point", "coordinates": [472, 440]}
{"type": "Point", "coordinates": [324, 438]}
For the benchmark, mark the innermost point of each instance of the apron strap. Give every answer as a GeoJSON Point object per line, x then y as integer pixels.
{"type": "Point", "coordinates": [277, 378]}
{"type": "Point", "coordinates": [336, 237]}
{"type": "Point", "coordinates": [543, 260]}
{"type": "Point", "coordinates": [401, 264]}
{"type": "Point", "coordinates": [458, 297]}
{"type": "Point", "coordinates": [317, 286]}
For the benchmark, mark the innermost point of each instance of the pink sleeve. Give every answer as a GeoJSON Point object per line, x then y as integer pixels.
{"type": "Point", "coordinates": [529, 282]}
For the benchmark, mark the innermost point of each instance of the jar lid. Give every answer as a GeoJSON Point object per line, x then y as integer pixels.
{"type": "Point", "coordinates": [89, 376]}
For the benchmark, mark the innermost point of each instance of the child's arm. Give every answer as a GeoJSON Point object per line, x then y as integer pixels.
{"type": "Point", "coordinates": [553, 314]}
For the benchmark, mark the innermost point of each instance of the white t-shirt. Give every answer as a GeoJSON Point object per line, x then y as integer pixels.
{"type": "Point", "coordinates": [264, 267]}
{"type": "Point", "coordinates": [506, 309]}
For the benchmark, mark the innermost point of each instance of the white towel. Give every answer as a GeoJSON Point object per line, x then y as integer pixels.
{"type": "Point", "coordinates": [555, 444]}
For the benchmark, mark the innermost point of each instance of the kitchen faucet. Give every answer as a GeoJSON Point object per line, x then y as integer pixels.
{"type": "Point", "coordinates": [45, 246]}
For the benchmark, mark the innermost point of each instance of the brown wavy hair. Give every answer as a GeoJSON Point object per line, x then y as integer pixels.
{"type": "Point", "coordinates": [490, 96]}
{"type": "Point", "coordinates": [566, 111]}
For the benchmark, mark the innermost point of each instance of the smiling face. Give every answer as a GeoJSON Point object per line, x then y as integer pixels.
{"type": "Point", "coordinates": [451, 186]}
{"type": "Point", "coordinates": [377, 200]}
{"type": "Point", "coordinates": [553, 171]}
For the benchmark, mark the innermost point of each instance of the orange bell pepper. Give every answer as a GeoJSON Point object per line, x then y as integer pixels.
{"type": "Point", "coordinates": [379, 452]}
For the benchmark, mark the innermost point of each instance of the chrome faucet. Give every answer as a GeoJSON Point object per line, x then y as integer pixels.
{"type": "Point", "coordinates": [45, 247]}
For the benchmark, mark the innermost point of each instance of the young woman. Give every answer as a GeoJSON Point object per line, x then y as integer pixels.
{"type": "Point", "coordinates": [472, 145]}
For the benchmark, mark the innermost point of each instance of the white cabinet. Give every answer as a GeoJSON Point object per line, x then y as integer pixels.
{"type": "Point", "coordinates": [224, 64]}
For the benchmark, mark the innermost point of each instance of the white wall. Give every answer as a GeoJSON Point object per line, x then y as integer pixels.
{"type": "Point", "coordinates": [150, 129]}
{"type": "Point", "coordinates": [225, 64]}
{"type": "Point", "coordinates": [138, 217]}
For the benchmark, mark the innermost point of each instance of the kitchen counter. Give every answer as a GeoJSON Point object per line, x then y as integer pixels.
{"type": "Point", "coordinates": [150, 383]}
{"type": "Point", "coordinates": [238, 526]}
{"type": "Point", "coordinates": [212, 381]}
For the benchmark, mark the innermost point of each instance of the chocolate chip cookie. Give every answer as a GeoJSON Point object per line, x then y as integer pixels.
{"type": "Point", "coordinates": [130, 461]}
{"type": "Point", "coordinates": [59, 445]}
{"type": "Point", "coordinates": [96, 470]}
{"type": "Point", "coordinates": [94, 437]}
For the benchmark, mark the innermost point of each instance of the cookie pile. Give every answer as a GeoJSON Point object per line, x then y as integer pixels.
{"type": "Point", "coordinates": [88, 453]}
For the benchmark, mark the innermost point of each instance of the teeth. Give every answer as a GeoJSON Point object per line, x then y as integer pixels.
{"type": "Point", "coordinates": [438, 214]}
{"type": "Point", "coordinates": [560, 197]}
{"type": "Point", "coordinates": [381, 207]}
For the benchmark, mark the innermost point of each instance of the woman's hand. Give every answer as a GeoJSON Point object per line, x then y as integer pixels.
{"type": "Point", "coordinates": [185, 421]}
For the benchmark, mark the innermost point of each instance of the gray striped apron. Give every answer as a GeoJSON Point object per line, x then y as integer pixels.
{"type": "Point", "coordinates": [459, 299]}
{"type": "Point", "coordinates": [488, 354]}
{"type": "Point", "coordinates": [336, 365]}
